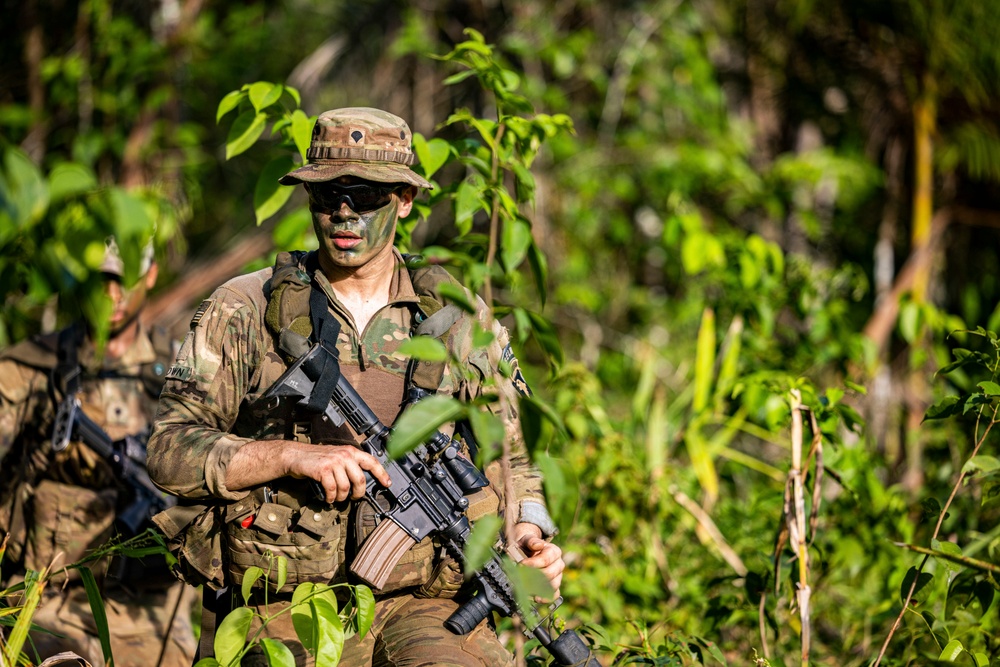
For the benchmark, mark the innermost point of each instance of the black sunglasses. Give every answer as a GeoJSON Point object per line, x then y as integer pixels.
{"type": "Point", "coordinates": [360, 197]}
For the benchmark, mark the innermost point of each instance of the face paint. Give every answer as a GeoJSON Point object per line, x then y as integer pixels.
{"type": "Point", "coordinates": [350, 240]}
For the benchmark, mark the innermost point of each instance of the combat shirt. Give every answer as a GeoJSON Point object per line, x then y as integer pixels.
{"type": "Point", "coordinates": [213, 400]}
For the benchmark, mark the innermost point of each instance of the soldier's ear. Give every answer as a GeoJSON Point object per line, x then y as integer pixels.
{"type": "Point", "coordinates": [406, 195]}
{"type": "Point", "coordinates": [151, 275]}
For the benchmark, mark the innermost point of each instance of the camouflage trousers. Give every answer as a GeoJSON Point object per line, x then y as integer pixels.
{"type": "Point", "coordinates": [138, 627]}
{"type": "Point", "coordinates": [407, 632]}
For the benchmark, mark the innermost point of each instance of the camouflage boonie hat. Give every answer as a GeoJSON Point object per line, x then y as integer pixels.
{"type": "Point", "coordinates": [113, 264]}
{"type": "Point", "coordinates": [359, 141]}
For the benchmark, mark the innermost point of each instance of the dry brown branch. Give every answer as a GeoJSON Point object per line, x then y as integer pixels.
{"type": "Point", "coordinates": [797, 523]}
{"type": "Point", "coordinates": [705, 521]}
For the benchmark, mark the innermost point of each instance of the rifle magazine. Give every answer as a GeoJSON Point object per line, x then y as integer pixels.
{"type": "Point", "coordinates": [380, 553]}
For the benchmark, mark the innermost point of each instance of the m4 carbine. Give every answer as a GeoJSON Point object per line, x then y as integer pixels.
{"type": "Point", "coordinates": [127, 458]}
{"type": "Point", "coordinates": [427, 496]}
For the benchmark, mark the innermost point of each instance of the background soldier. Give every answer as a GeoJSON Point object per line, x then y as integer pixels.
{"type": "Point", "coordinates": [60, 503]}
{"type": "Point", "coordinates": [252, 462]}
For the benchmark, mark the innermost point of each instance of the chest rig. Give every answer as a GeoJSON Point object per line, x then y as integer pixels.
{"type": "Point", "coordinates": [284, 518]}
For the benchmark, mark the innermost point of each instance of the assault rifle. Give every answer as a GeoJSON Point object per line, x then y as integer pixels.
{"type": "Point", "coordinates": [429, 485]}
{"type": "Point", "coordinates": [127, 458]}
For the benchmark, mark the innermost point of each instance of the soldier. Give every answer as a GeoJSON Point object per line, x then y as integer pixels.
{"type": "Point", "coordinates": [58, 503]}
{"type": "Point", "coordinates": [251, 463]}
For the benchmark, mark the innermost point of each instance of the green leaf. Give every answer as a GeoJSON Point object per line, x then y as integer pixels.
{"type": "Point", "coordinates": [944, 408]}
{"type": "Point", "coordinates": [951, 549]}
{"type": "Point", "coordinates": [278, 655]}
{"type": "Point", "coordinates": [302, 615]}
{"type": "Point", "coordinates": [991, 490]}
{"type": "Point", "coordinates": [231, 635]}
{"type": "Point", "coordinates": [207, 662]}
{"type": "Point", "coordinates": [330, 633]}
{"type": "Point", "coordinates": [529, 583]}
{"type": "Point", "coordinates": [516, 241]}
{"type": "Point", "coordinates": [263, 94]}
{"type": "Point", "coordinates": [251, 576]}
{"type": "Point", "coordinates": [69, 179]}
{"type": "Point", "coordinates": [432, 154]}
{"type": "Point", "coordinates": [419, 421]}
{"type": "Point", "coordinates": [467, 203]}
{"type": "Point", "coordinates": [289, 232]}
{"type": "Point", "coordinates": [909, 321]}
{"type": "Point", "coordinates": [97, 609]}
{"type": "Point", "coordinates": [982, 660]}
{"type": "Point", "coordinates": [365, 604]}
{"type": "Point", "coordinates": [479, 546]}
{"type": "Point", "coordinates": [424, 348]}
{"type": "Point", "coordinates": [952, 651]}
{"type": "Point", "coordinates": [457, 295]}
{"type": "Point", "coordinates": [989, 388]}
{"type": "Point", "coordinates": [269, 195]}
{"type": "Point", "coordinates": [704, 361]}
{"type": "Point", "coordinates": [27, 191]}
{"type": "Point", "coordinates": [302, 127]}
{"type": "Point", "coordinates": [228, 103]}
{"type": "Point", "coordinates": [282, 572]}
{"type": "Point", "coordinates": [911, 574]}
{"type": "Point", "coordinates": [489, 433]}
{"type": "Point", "coordinates": [245, 131]}
{"type": "Point", "coordinates": [981, 463]}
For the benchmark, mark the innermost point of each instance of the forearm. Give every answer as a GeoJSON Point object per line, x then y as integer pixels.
{"type": "Point", "coordinates": [258, 462]}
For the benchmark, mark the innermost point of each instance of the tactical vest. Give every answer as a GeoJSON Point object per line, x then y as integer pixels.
{"type": "Point", "coordinates": [283, 518]}
{"type": "Point", "coordinates": [49, 506]}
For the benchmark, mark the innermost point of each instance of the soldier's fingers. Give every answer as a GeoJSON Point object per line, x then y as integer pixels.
{"type": "Point", "coordinates": [357, 480]}
{"type": "Point", "coordinates": [371, 464]}
{"type": "Point", "coordinates": [343, 483]}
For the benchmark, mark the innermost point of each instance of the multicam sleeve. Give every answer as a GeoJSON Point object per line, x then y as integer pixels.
{"type": "Point", "coordinates": [21, 389]}
{"type": "Point", "coordinates": [191, 444]}
{"type": "Point", "coordinates": [511, 386]}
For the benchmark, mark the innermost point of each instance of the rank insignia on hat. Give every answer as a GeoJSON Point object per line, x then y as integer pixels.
{"type": "Point", "coordinates": [357, 136]}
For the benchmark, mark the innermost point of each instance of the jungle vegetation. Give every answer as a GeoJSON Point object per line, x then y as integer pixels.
{"type": "Point", "coordinates": [743, 246]}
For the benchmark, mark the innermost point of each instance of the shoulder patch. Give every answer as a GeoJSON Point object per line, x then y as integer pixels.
{"type": "Point", "coordinates": [200, 313]}
{"type": "Point", "coordinates": [182, 373]}
{"type": "Point", "coordinates": [508, 359]}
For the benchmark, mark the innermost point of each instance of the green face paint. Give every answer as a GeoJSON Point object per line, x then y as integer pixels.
{"type": "Point", "coordinates": [349, 239]}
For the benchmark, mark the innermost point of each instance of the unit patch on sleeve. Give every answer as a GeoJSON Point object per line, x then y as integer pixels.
{"type": "Point", "coordinates": [200, 313]}
{"type": "Point", "coordinates": [508, 359]}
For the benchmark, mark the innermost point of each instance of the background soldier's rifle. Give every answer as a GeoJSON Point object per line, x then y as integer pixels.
{"type": "Point", "coordinates": [127, 458]}
{"type": "Point", "coordinates": [429, 485]}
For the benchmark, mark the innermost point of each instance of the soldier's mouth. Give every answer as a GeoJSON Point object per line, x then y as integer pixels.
{"type": "Point", "coordinates": [345, 240]}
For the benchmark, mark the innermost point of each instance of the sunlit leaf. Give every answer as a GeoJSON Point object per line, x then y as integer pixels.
{"type": "Point", "coordinates": [479, 546]}
{"type": "Point", "coordinates": [365, 604]}
{"type": "Point", "coordinates": [250, 577]}
{"type": "Point", "coordinates": [516, 241]}
{"type": "Point", "coordinates": [278, 655]}
{"type": "Point", "coordinates": [432, 154]}
{"type": "Point", "coordinates": [69, 179]}
{"type": "Point", "coordinates": [330, 633]}
{"type": "Point", "coordinates": [419, 421]}
{"type": "Point", "coordinates": [302, 127]}
{"type": "Point", "coordinates": [231, 635]}
{"type": "Point", "coordinates": [952, 651]}
{"type": "Point", "coordinates": [423, 348]}
{"type": "Point", "coordinates": [228, 103]}
{"type": "Point", "coordinates": [489, 432]}
{"type": "Point", "coordinates": [245, 131]}
{"type": "Point", "coordinates": [269, 195]}
{"type": "Point", "coordinates": [263, 94]}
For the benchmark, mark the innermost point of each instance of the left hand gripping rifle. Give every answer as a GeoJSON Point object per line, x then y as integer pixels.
{"type": "Point", "coordinates": [127, 458]}
{"type": "Point", "coordinates": [427, 496]}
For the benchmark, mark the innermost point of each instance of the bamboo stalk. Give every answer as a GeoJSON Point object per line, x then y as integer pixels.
{"type": "Point", "coordinates": [797, 524]}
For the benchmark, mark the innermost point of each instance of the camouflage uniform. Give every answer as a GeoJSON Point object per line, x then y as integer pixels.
{"type": "Point", "coordinates": [60, 505]}
{"type": "Point", "coordinates": [212, 404]}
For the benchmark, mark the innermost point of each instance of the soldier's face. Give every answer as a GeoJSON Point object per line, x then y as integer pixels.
{"type": "Point", "coordinates": [127, 302]}
{"type": "Point", "coordinates": [350, 239]}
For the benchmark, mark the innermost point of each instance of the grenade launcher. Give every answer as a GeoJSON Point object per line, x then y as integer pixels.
{"type": "Point", "coordinates": [429, 485]}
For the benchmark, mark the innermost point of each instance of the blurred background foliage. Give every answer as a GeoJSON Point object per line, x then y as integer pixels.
{"type": "Point", "coordinates": [760, 200]}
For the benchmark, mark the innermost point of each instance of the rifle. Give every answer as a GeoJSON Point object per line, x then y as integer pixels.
{"type": "Point", "coordinates": [127, 458]}
{"type": "Point", "coordinates": [427, 496]}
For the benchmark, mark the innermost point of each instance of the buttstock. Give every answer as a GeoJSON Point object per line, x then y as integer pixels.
{"type": "Point", "coordinates": [380, 553]}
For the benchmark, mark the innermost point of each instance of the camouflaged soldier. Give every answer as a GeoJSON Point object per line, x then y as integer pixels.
{"type": "Point", "coordinates": [58, 505]}
{"type": "Point", "coordinates": [250, 463]}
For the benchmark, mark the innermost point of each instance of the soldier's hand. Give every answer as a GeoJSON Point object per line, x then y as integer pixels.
{"type": "Point", "coordinates": [340, 469]}
{"type": "Point", "coordinates": [540, 554]}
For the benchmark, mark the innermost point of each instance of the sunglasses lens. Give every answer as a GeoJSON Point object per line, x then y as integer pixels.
{"type": "Point", "coordinates": [360, 198]}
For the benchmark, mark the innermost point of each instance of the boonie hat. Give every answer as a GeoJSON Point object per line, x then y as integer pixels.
{"type": "Point", "coordinates": [359, 141]}
{"type": "Point", "coordinates": [113, 264]}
